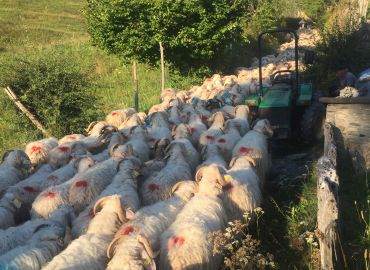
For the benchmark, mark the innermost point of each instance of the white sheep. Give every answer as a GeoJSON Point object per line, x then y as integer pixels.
{"type": "Point", "coordinates": [62, 154]}
{"type": "Point", "coordinates": [132, 121]}
{"type": "Point", "coordinates": [241, 119]}
{"type": "Point", "coordinates": [89, 184]}
{"type": "Point", "coordinates": [38, 151]}
{"type": "Point", "coordinates": [66, 172]}
{"type": "Point", "coordinates": [242, 193]}
{"type": "Point", "coordinates": [124, 184]}
{"type": "Point", "coordinates": [15, 236]}
{"type": "Point", "coordinates": [214, 131]}
{"type": "Point", "coordinates": [96, 144]}
{"type": "Point", "coordinates": [17, 201]}
{"type": "Point", "coordinates": [71, 138]}
{"type": "Point", "coordinates": [160, 128]}
{"type": "Point", "coordinates": [255, 145]}
{"type": "Point", "coordinates": [46, 242]}
{"type": "Point", "coordinates": [227, 141]}
{"type": "Point", "coordinates": [89, 250]}
{"type": "Point", "coordinates": [15, 167]}
{"type": "Point", "coordinates": [211, 154]}
{"type": "Point", "coordinates": [187, 244]}
{"type": "Point", "coordinates": [135, 241]}
{"type": "Point", "coordinates": [94, 128]}
{"type": "Point", "coordinates": [158, 186]}
{"type": "Point", "coordinates": [117, 117]}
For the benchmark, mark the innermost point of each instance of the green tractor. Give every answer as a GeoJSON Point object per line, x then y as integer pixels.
{"type": "Point", "coordinates": [290, 105]}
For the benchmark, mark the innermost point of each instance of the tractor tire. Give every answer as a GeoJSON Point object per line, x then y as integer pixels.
{"type": "Point", "coordinates": [312, 123]}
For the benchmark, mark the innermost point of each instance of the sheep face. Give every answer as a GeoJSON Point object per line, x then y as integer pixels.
{"type": "Point", "coordinates": [264, 127]}
{"type": "Point", "coordinates": [181, 131]}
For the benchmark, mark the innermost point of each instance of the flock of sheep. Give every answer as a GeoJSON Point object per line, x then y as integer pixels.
{"type": "Point", "coordinates": [139, 190]}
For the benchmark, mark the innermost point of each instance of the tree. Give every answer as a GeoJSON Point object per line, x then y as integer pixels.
{"type": "Point", "coordinates": [193, 32]}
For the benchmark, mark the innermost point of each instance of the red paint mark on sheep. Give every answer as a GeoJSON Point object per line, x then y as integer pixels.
{"type": "Point", "coordinates": [114, 113]}
{"type": "Point", "coordinates": [64, 149]}
{"type": "Point", "coordinates": [245, 150]}
{"type": "Point", "coordinates": [127, 230]}
{"type": "Point", "coordinates": [82, 183]}
{"type": "Point", "coordinates": [193, 129]}
{"type": "Point", "coordinates": [153, 187]}
{"type": "Point", "coordinates": [72, 137]}
{"type": "Point", "coordinates": [36, 148]}
{"type": "Point", "coordinates": [210, 138]}
{"type": "Point", "coordinates": [49, 194]}
{"type": "Point", "coordinates": [176, 241]}
{"type": "Point", "coordinates": [222, 140]}
{"type": "Point", "coordinates": [30, 189]}
{"type": "Point", "coordinates": [52, 178]}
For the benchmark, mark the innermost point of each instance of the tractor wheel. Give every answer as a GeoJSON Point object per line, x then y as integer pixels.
{"type": "Point", "coordinates": [312, 123]}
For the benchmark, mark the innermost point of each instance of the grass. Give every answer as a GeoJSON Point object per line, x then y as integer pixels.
{"type": "Point", "coordinates": [38, 26]}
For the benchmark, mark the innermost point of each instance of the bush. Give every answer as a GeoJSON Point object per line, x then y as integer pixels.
{"type": "Point", "coordinates": [193, 32]}
{"type": "Point", "coordinates": [342, 43]}
{"type": "Point", "coordinates": [53, 88]}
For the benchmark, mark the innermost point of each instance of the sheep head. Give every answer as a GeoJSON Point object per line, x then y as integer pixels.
{"type": "Point", "coordinates": [160, 148]}
{"type": "Point", "coordinates": [185, 189]}
{"type": "Point", "coordinates": [248, 158]}
{"type": "Point", "coordinates": [210, 180]}
{"type": "Point", "coordinates": [264, 127]}
{"type": "Point", "coordinates": [112, 203]}
{"type": "Point", "coordinates": [17, 159]}
{"type": "Point", "coordinates": [181, 131]}
{"type": "Point", "coordinates": [216, 120]}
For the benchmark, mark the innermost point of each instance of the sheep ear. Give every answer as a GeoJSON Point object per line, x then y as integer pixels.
{"type": "Point", "coordinates": [199, 174]}
{"type": "Point", "coordinates": [113, 149]}
{"type": "Point", "coordinates": [90, 127]}
{"type": "Point", "coordinates": [251, 160]}
{"type": "Point", "coordinates": [99, 205]}
{"type": "Point", "coordinates": [129, 214]}
{"type": "Point", "coordinates": [112, 246]}
{"type": "Point", "coordinates": [176, 186]}
{"type": "Point", "coordinates": [232, 162]}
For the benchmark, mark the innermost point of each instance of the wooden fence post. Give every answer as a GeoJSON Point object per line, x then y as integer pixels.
{"type": "Point", "coordinates": [136, 87]}
{"type": "Point", "coordinates": [328, 212]}
{"type": "Point", "coordinates": [162, 66]}
{"type": "Point", "coordinates": [30, 116]}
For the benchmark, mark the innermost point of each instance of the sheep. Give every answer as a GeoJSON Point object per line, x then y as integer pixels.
{"type": "Point", "coordinates": [46, 242]}
{"type": "Point", "coordinates": [227, 141]}
{"type": "Point", "coordinates": [242, 194]}
{"type": "Point", "coordinates": [89, 184]}
{"type": "Point", "coordinates": [157, 162]}
{"type": "Point", "coordinates": [117, 117]}
{"type": "Point", "coordinates": [167, 94]}
{"type": "Point", "coordinates": [16, 202]}
{"type": "Point", "coordinates": [186, 243]}
{"type": "Point", "coordinates": [135, 241]}
{"type": "Point", "coordinates": [196, 124]}
{"type": "Point", "coordinates": [191, 154]}
{"type": "Point", "coordinates": [158, 186]}
{"type": "Point", "coordinates": [211, 154]}
{"type": "Point", "coordinates": [117, 138]}
{"type": "Point", "coordinates": [71, 138]}
{"type": "Point", "coordinates": [66, 172]}
{"type": "Point", "coordinates": [160, 128]}
{"type": "Point", "coordinates": [89, 250]}
{"type": "Point", "coordinates": [38, 151]}
{"type": "Point", "coordinates": [62, 154]}
{"type": "Point", "coordinates": [124, 184]}
{"type": "Point", "coordinates": [94, 128]}
{"type": "Point", "coordinates": [15, 236]}
{"type": "Point", "coordinates": [96, 144]}
{"type": "Point", "coordinates": [15, 167]}
{"type": "Point", "coordinates": [241, 118]}
{"type": "Point", "coordinates": [228, 111]}
{"type": "Point", "coordinates": [132, 121]}
{"type": "Point", "coordinates": [255, 145]}
{"type": "Point", "coordinates": [138, 142]}
{"type": "Point", "coordinates": [215, 130]}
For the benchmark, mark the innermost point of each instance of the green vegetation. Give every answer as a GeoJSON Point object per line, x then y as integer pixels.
{"type": "Point", "coordinates": [194, 33]}
{"type": "Point", "coordinates": [55, 31]}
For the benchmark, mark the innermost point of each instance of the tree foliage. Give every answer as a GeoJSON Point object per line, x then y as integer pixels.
{"type": "Point", "coordinates": [193, 32]}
